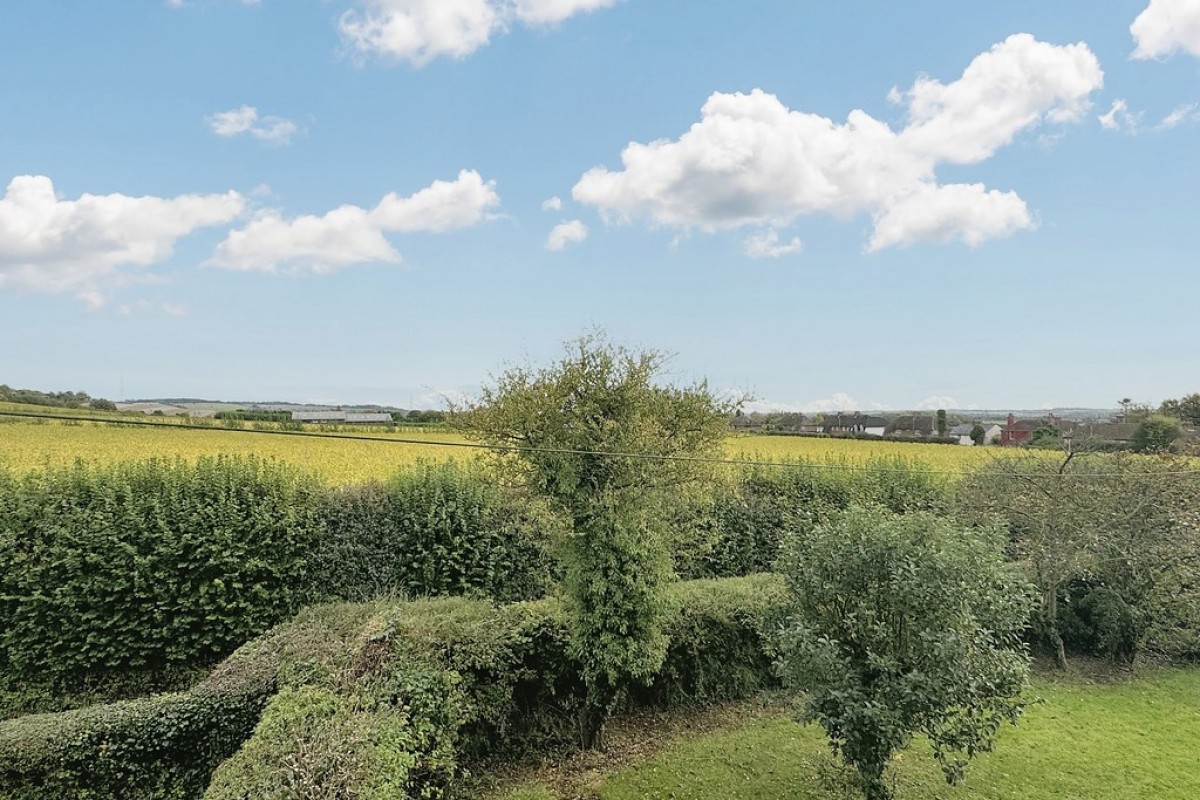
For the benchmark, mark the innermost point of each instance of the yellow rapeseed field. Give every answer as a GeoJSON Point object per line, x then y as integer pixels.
{"type": "Point", "coordinates": [28, 444]}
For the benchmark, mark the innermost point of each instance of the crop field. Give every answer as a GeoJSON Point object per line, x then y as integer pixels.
{"type": "Point", "coordinates": [28, 444]}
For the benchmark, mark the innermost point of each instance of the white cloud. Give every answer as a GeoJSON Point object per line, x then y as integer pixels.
{"type": "Point", "coordinates": [551, 12]}
{"type": "Point", "coordinates": [273, 130]}
{"type": "Point", "coordinates": [765, 244]}
{"type": "Point", "coordinates": [1166, 27]}
{"type": "Point", "coordinates": [840, 401]}
{"type": "Point", "coordinates": [350, 234]}
{"type": "Point", "coordinates": [750, 160]}
{"type": "Point", "coordinates": [419, 31]}
{"type": "Point", "coordinates": [958, 211]}
{"type": "Point", "coordinates": [935, 402]}
{"type": "Point", "coordinates": [1180, 115]}
{"type": "Point", "coordinates": [1119, 118]}
{"type": "Point", "coordinates": [571, 232]}
{"type": "Point", "coordinates": [81, 246]}
{"type": "Point", "coordinates": [553, 204]}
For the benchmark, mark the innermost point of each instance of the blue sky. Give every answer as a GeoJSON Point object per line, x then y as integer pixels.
{"type": "Point", "coordinates": [830, 205]}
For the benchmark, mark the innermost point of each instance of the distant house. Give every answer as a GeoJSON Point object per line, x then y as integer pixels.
{"type": "Point", "coordinates": [913, 426]}
{"type": "Point", "coordinates": [963, 432]}
{"type": "Point", "coordinates": [1100, 431]}
{"type": "Point", "coordinates": [857, 422]}
{"type": "Point", "coordinates": [1017, 432]}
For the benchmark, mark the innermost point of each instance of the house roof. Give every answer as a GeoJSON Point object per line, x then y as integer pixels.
{"type": "Point", "coordinates": [920, 423]}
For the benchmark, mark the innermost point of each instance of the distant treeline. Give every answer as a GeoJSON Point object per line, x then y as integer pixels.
{"type": "Point", "coordinates": [56, 399]}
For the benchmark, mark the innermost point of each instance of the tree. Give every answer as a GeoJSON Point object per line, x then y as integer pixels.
{"type": "Point", "coordinates": [941, 422]}
{"type": "Point", "coordinates": [612, 449]}
{"type": "Point", "coordinates": [1121, 527]}
{"type": "Point", "coordinates": [904, 625]}
{"type": "Point", "coordinates": [1156, 434]}
{"type": "Point", "coordinates": [1186, 408]}
{"type": "Point", "coordinates": [1046, 437]}
{"type": "Point", "coordinates": [977, 434]}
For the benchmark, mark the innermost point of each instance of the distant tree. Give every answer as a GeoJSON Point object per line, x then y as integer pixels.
{"type": "Point", "coordinates": [941, 422]}
{"type": "Point", "coordinates": [1156, 434]}
{"type": "Point", "coordinates": [905, 625]}
{"type": "Point", "coordinates": [1047, 437]}
{"type": "Point", "coordinates": [100, 404]}
{"type": "Point", "coordinates": [977, 434]}
{"type": "Point", "coordinates": [596, 434]}
{"type": "Point", "coordinates": [1186, 408]}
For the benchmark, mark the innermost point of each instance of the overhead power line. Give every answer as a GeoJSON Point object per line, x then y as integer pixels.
{"type": "Point", "coordinates": [714, 460]}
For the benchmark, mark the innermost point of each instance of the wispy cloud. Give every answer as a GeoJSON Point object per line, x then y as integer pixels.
{"type": "Point", "coordinates": [565, 233]}
{"type": "Point", "coordinates": [246, 120]}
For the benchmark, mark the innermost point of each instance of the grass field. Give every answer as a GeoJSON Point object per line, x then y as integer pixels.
{"type": "Point", "coordinates": [28, 444]}
{"type": "Point", "coordinates": [1134, 740]}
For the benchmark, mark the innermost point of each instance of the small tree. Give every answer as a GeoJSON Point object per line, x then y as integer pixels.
{"type": "Point", "coordinates": [1156, 434]}
{"type": "Point", "coordinates": [611, 448]}
{"type": "Point", "coordinates": [942, 425]}
{"type": "Point", "coordinates": [904, 625]}
{"type": "Point", "coordinates": [977, 434]}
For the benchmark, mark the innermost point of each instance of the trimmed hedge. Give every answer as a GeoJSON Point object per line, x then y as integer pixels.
{"type": "Point", "coordinates": [436, 529]}
{"type": "Point", "coordinates": [385, 699]}
{"type": "Point", "coordinates": [147, 567]}
{"type": "Point", "coordinates": [116, 580]}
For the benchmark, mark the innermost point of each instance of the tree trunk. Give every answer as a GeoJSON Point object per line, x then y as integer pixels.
{"type": "Point", "coordinates": [1051, 622]}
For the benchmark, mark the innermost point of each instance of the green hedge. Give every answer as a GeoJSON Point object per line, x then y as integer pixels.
{"type": "Point", "coordinates": [158, 748]}
{"type": "Point", "coordinates": [148, 566]}
{"type": "Point", "coordinates": [383, 699]}
{"type": "Point", "coordinates": [428, 689]}
{"type": "Point", "coordinates": [113, 580]}
{"type": "Point", "coordinates": [435, 529]}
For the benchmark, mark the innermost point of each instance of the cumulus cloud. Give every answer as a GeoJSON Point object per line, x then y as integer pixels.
{"type": "Point", "coordinates": [565, 233]}
{"type": "Point", "coordinates": [419, 31]}
{"type": "Point", "coordinates": [1120, 118]}
{"type": "Point", "coordinates": [840, 401]}
{"type": "Point", "coordinates": [1167, 27]}
{"type": "Point", "coordinates": [350, 234]}
{"type": "Point", "coordinates": [750, 160]}
{"type": "Point", "coordinates": [552, 204]}
{"type": "Point", "coordinates": [246, 120]}
{"type": "Point", "coordinates": [49, 244]}
{"type": "Point", "coordinates": [766, 244]}
{"type": "Point", "coordinates": [934, 402]}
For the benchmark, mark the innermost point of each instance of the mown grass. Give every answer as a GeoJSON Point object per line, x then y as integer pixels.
{"type": "Point", "coordinates": [1086, 741]}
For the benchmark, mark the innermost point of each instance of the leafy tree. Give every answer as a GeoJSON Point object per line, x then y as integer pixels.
{"type": "Point", "coordinates": [1120, 523]}
{"type": "Point", "coordinates": [1186, 408]}
{"type": "Point", "coordinates": [1047, 437]}
{"type": "Point", "coordinates": [1156, 434]}
{"type": "Point", "coordinates": [611, 448]}
{"type": "Point", "coordinates": [977, 434]}
{"type": "Point", "coordinates": [904, 625]}
{"type": "Point", "coordinates": [942, 426]}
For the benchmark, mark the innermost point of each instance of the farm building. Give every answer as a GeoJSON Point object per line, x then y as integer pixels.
{"type": "Point", "coordinates": [342, 417]}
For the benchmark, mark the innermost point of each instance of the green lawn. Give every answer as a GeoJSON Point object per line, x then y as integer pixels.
{"type": "Point", "coordinates": [1087, 741]}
